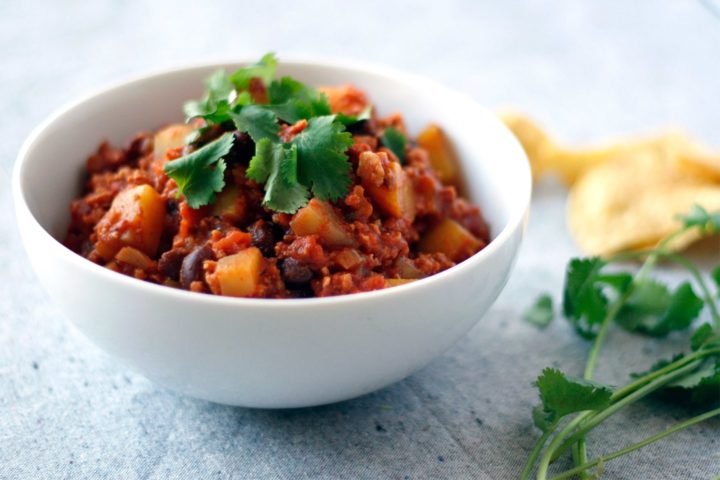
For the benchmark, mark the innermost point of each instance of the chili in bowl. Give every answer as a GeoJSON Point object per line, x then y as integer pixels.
{"type": "Point", "coordinates": [309, 193]}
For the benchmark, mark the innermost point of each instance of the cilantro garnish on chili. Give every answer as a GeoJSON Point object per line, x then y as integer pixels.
{"type": "Point", "coordinates": [314, 163]}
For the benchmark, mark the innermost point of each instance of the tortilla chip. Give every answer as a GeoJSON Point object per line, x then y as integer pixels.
{"type": "Point", "coordinates": [626, 195]}
{"type": "Point", "coordinates": [538, 147]}
{"type": "Point", "coordinates": [547, 157]}
{"type": "Point", "coordinates": [700, 163]}
{"type": "Point", "coordinates": [632, 202]}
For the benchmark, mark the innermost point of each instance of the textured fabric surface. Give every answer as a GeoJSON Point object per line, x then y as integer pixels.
{"type": "Point", "coordinates": [589, 70]}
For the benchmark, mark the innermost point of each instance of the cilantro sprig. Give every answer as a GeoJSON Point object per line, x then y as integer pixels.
{"type": "Point", "coordinates": [314, 162]}
{"type": "Point", "coordinates": [596, 296]}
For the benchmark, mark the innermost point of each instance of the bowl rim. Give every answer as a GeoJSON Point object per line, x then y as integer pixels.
{"type": "Point", "coordinates": [516, 217]}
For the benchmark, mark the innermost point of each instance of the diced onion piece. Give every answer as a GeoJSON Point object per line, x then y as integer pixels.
{"type": "Point", "coordinates": [319, 218]}
{"type": "Point", "coordinates": [135, 219]}
{"type": "Point", "coordinates": [238, 275]}
{"type": "Point", "coordinates": [133, 256]}
{"type": "Point", "coordinates": [349, 258]}
{"type": "Point", "coordinates": [407, 269]}
{"type": "Point", "coordinates": [443, 160]}
{"type": "Point", "coordinates": [450, 238]}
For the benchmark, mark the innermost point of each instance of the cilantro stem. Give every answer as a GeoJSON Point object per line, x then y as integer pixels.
{"type": "Point", "coordinates": [625, 256]}
{"type": "Point", "coordinates": [600, 338]}
{"type": "Point", "coordinates": [555, 443]}
{"type": "Point", "coordinates": [659, 251]}
{"type": "Point", "coordinates": [579, 455]}
{"type": "Point", "coordinates": [639, 445]}
{"type": "Point", "coordinates": [595, 418]}
{"type": "Point", "coordinates": [537, 448]}
{"type": "Point", "coordinates": [580, 449]}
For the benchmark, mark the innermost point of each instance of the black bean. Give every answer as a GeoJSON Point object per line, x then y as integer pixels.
{"type": "Point", "coordinates": [192, 265]}
{"type": "Point", "coordinates": [171, 206]}
{"type": "Point", "coordinates": [264, 236]}
{"type": "Point", "coordinates": [359, 128]}
{"type": "Point", "coordinates": [139, 146]}
{"type": "Point", "coordinates": [306, 292]}
{"type": "Point", "coordinates": [242, 150]}
{"type": "Point", "coordinates": [172, 219]}
{"type": "Point", "coordinates": [170, 263]}
{"type": "Point", "coordinates": [295, 273]}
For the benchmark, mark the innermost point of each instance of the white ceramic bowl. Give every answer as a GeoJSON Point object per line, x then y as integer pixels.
{"type": "Point", "coordinates": [259, 352]}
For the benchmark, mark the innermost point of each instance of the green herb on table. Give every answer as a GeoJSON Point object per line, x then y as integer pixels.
{"type": "Point", "coordinates": [595, 297]}
{"type": "Point", "coordinates": [314, 163]}
{"type": "Point", "coordinates": [541, 313]}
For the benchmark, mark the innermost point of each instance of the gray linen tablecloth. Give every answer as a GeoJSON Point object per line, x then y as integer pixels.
{"type": "Point", "coordinates": [589, 70]}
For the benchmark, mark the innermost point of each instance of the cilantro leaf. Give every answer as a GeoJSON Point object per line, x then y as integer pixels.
{"type": "Point", "coordinates": [652, 310]}
{"type": "Point", "coordinates": [700, 386]}
{"type": "Point", "coordinates": [705, 336]}
{"type": "Point", "coordinates": [702, 219]}
{"type": "Point", "coordinates": [275, 165]}
{"type": "Point", "coordinates": [685, 306]}
{"type": "Point", "coordinates": [395, 142]}
{"type": "Point", "coordinates": [283, 192]}
{"type": "Point", "coordinates": [584, 302]}
{"type": "Point", "coordinates": [707, 388]}
{"type": "Point", "coordinates": [323, 164]}
{"type": "Point", "coordinates": [715, 275]}
{"type": "Point", "coordinates": [264, 70]}
{"type": "Point", "coordinates": [200, 174]}
{"type": "Point", "coordinates": [215, 105]}
{"type": "Point", "coordinates": [706, 369]}
{"type": "Point", "coordinates": [562, 395]}
{"type": "Point", "coordinates": [541, 313]}
{"type": "Point", "coordinates": [350, 119]}
{"type": "Point", "coordinates": [293, 101]}
{"type": "Point", "coordinates": [621, 281]}
{"type": "Point", "coordinates": [540, 418]}
{"type": "Point", "coordinates": [257, 121]}
{"type": "Point", "coordinates": [261, 164]}
{"type": "Point", "coordinates": [662, 363]}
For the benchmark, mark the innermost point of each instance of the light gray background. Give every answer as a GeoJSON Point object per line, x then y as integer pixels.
{"type": "Point", "coordinates": [588, 70]}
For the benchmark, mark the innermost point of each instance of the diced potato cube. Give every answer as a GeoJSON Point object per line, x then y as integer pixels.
{"type": "Point", "coordinates": [170, 137]}
{"type": "Point", "coordinates": [319, 218]}
{"type": "Point", "coordinates": [229, 204]}
{"type": "Point", "coordinates": [238, 275]}
{"type": "Point", "coordinates": [443, 160]}
{"type": "Point", "coordinates": [450, 238]}
{"type": "Point", "coordinates": [387, 184]}
{"type": "Point", "coordinates": [135, 219]}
